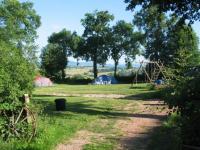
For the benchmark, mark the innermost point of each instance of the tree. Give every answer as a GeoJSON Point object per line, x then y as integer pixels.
{"type": "Point", "coordinates": [122, 42]}
{"type": "Point", "coordinates": [64, 40]}
{"type": "Point", "coordinates": [76, 47]}
{"type": "Point", "coordinates": [183, 41]}
{"type": "Point", "coordinates": [155, 26]}
{"type": "Point", "coordinates": [53, 62]}
{"type": "Point", "coordinates": [185, 9]}
{"type": "Point", "coordinates": [18, 24]}
{"type": "Point", "coordinates": [96, 37]}
{"type": "Point", "coordinates": [165, 37]}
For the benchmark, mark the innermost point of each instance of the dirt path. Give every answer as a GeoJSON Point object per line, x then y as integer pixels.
{"type": "Point", "coordinates": [136, 128]}
{"type": "Point", "coordinates": [81, 138]}
{"type": "Point", "coordinates": [139, 127]}
{"type": "Point", "coordinates": [88, 95]}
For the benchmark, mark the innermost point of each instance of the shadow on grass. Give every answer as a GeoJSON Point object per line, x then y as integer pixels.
{"type": "Point", "coordinates": [165, 138]}
{"type": "Point", "coordinates": [145, 96]}
{"type": "Point", "coordinates": [85, 107]}
{"type": "Point", "coordinates": [138, 87]}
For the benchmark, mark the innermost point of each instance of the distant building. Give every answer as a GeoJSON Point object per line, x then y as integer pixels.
{"type": "Point", "coordinates": [42, 81]}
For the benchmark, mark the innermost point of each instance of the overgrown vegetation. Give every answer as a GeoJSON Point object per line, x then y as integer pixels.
{"type": "Point", "coordinates": [177, 48]}
{"type": "Point", "coordinates": [19, 22]}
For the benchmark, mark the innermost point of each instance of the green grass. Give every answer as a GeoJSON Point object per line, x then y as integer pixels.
{"type": "Point", "coordinates": [97, 115]}
{"type": "Point", "coordinates": [124, 89]}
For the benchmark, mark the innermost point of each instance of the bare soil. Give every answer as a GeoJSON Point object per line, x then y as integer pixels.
{"type": "Point", "coordinates": [81, 138]}
{"type": "Point", "coordinates": [138, 129]}
{"type": "Point", "coordinates": [117, 96]}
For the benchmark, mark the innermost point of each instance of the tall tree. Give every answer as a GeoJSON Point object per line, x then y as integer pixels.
{"type": "Point", "coordinates": [122, 42]}
{"type": "Point", "coordinates": [52, 61]}
{"type": "Point", "coordinates": [76, 46]}
{"type": "Point", "coordinates": [18, 24]}
{"type": "Point", "coordinates": [164, 36]}
{"type": "Point", "coordinates": [182, 40]}
{"type": "Point", "coordinates": [96, 36]}
{"type": "Point", "coordinates": [64, 40]}
{"type": "Point", "coordinates": [155, 28]}
{"type": "Point", "coordinates": [185, 9]}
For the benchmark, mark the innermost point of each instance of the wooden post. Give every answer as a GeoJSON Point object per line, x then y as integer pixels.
{"type": "Point", "coordinates": [26, 99]}
{"type": "Point", "coordinates": [26, 102]}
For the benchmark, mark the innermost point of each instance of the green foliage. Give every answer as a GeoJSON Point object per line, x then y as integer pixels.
{"type": "Point", "coordinates": [79, 79]}
{"type": "Point", "coordinates": [128, 63]}
{"type": "Point", "coordinates": [19, 22]}
{"type": "Point", "coordinates": [16, 74]}
{"type": "Point", "coordinates": [53, 61]}
{"type": "Point", "coordinates": [16, 71]}
{"type": "Point", "coordinates": [183, 47]}
{"type": "Point", "coordinates": [183, 94]}
{"type": "Point", "coordinates": [166, 38]}
{"type": "Point", "coordinates": [154, 24]}
{"type": "Point", "coordinates": [185, 9]}
{"type": "Point", "coordinates": [123, 41]}
{"type": "Point", "coordinates": [96, 37]}
{"type": "Point", "coordinates": [55, 55]}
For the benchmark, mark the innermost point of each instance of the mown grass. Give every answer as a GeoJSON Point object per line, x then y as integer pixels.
{"type": "Point", "coordinates": [97, 115]}
{"type": "Point", "coordinates": [124, 89]}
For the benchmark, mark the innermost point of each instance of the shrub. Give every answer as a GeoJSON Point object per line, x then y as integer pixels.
{"type": "Point", "coordinates": [184, 93]}
{"type": "Point", "coordinates": [79, 79]}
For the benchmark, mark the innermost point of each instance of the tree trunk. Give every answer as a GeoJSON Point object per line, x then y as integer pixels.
{"type": "Point", "coordinates": [95, 71]}
{"type": "Point", "coordinates": [115, 70]}
{"type": "Point", "coordinates": [63, 74]}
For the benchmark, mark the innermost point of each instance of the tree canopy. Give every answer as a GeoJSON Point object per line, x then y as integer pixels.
{"type": "Point", "coordinates": [18, 24]}
{"type": "Point", "coordinates": [64, 40]}
{"type": "Point", "coordinates": [123, 41]}
{"type": "Point", "coordinates": [165, 36]}
{"type": "Point", "coordinates": [96, 37]}
{"type": "Point", "coordinates": [185, 9]}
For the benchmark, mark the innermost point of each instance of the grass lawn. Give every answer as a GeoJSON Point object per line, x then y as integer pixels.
{"type": "Point", "coordinates": [124, 89]}
{"type": "Point", "coordinates": [96, 115]}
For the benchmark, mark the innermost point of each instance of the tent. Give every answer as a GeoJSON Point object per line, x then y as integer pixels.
{"type": "Point", "coordinates": [42, 81]}
{"type": "Point", "coordinates": [105, 79]}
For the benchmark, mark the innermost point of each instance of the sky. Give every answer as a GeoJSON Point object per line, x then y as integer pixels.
{"type": "Point", "coordinates": [59, 14]}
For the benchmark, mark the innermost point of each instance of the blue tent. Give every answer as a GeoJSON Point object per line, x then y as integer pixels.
{"type": "Point", "coordinates": [105, 79]}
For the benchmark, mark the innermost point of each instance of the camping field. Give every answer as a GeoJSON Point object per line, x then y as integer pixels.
{"type": "Point", "coordinates": [98, 117]}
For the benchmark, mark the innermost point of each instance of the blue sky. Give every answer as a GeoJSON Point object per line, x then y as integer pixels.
{"type": "Point", "coordinates": [59, 14]}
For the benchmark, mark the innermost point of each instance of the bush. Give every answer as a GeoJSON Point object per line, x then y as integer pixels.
{"type": "Point", "coordinates": [184, 94]}
{"type": "Point", "coordinates": [130, 78]}
{"type": "Point", "coordinates": [79, 79]}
